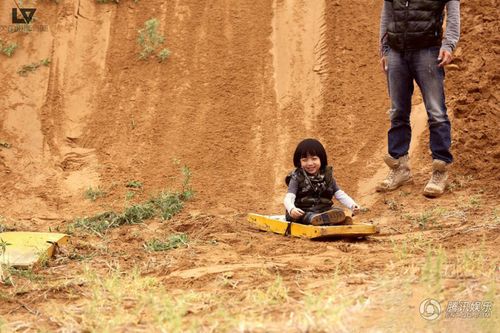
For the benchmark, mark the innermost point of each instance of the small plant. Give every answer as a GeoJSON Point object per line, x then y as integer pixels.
{"type": "Point", "coordinates": [276, 293]}
{"type": "Point", "coordinates": [5, 144]}
{"type": "Point", "coordinates": [26, 69]}
{"type": "Point", "coordinates": [93, 194]}
{"type": "Point", "coordinates": [460, 183]}
{"type": "Point", "coordinates": [3, 246]}
{"type": "Point", "coordinates": [423, 220]}
{"type": "Point", "coordinates": [7, 48]}
{"type": "Point", "coordinates": [150, 40]}
{"type": "Point", "coordinates": [431, 272]}
{"type": "Point", "coordinates": [134, 184]}
{"type": "Point", "coordinates": [173, 242]}
{"type": "Point", "coordinates": [25, 273]}
{"type": "Point", "coordinates": [496, 216]}
{"type": "Point", "coordinates": [475, 201]}
{"type": "Point", "coordinates": [166, 205]}
{"type": "Point", "coordinates": [392, 204]}
{"type": "Point", "coordinates": [163, 54]}
{"type": "Point", "coordinates": [4, 277]}
{"type": "Point", "coordinates": [107, 1]}
{"type": "Point", "coordinates": [129, 195]}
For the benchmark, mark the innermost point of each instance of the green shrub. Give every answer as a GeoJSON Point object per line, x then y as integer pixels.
{"type": "Point", "coordinates": [94, 194]}
{"type": "Point", "coordinates": [134, 184]}
{"type": "Point", "coordinates": [172, 242]}
{"type": "Point", "coordinates": [150, 40]}
{"type": "Point", "coordinates": [164, 205]}
{"type": "Point", "coordinates": [7, 48]}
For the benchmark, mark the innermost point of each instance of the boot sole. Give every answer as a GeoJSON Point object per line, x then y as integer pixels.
{"type": "Point", "coordinates": [435, 194]}
{"type": "Point", "coordinates": [330, 217]}
{"type": "Point", "coordinates": [389, 189]}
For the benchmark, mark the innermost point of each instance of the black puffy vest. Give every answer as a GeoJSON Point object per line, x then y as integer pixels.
{"type": "Point", "coordinates": [313, 195]}
{"type": "Point", "coordinates": [416, 24]}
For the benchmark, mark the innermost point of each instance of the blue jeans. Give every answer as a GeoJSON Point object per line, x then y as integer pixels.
{"type": "Point", "coordinates": [421, 66]}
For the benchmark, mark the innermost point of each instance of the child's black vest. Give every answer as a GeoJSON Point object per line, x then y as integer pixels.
{"type": "Point", "coordinates": [415, 24]}
{"type": "Point", "coordinates": [315, 193]}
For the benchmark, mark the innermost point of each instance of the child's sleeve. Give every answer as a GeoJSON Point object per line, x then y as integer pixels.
{"type": "Point", "coordinates": [289, 200]}
{"type": "Point", "coordinates": [345, 199]}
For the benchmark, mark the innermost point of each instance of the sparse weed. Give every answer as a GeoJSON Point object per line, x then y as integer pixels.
{"type": "Point", "coordinates": [323, 311]}
{"type": "Point", "coordinates": [134, 184]}
{"type": "Point", "coordinates": [107, 1]}
{"type": "Point", "coordinates": [411, 244]}
{"type": "Point", "coordinates": [459, 183]}
{"type": "Point", "coordinates": [421, 220]}
{"type": "Point", "coordinates": [136, 214]}
{"type": "Point", "coordinates": [392, 204]}
{"type": "Point", "coordinates": [226, 280]}
{"type": "Point", "coordinates": [475, 201]}
{"type": "Point", "coordinates": [146, 300]}
{"type": "Point", "coordinates": [5, 275]}
{"type": "Point", "coordinates": [129, 195]}
{"type": "Point", "coordinates": [496, 216]}
{"type": "Point", "coordinates": [276, 293]}
{"type": "Point", "coordinates": [3, 246]}
{"type": "Point", "coordinates": [150, 40]}
{"type": "Point", "coordinates": [7, 48]}
{"type": "Point", "coordinates": [166, 205]}
{"type": "Point", "coordinates": [25, 273]}
{"type": "Point", "coordinates": [163, 54]}
{"type": "Point", "coordinates": [173, 242]}
{"type": "Point", "coordinates": [26, 69]}
{"type": "Point", "coordinates": [93, 194]}
{"type": "Point", "coordinates": [100, 223]}
{"type": "Point", "coordinates": [431, 272]}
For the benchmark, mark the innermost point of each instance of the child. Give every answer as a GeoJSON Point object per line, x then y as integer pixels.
{"type": "Point", "coordinates": [311, 187]}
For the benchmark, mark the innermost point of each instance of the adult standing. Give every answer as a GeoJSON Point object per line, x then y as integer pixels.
{"type": "Point", "coordinates": [413, 48]}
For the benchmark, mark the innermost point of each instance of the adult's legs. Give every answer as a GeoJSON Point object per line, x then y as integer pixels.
{"type": "Point", "coordinates": [430, 79]}
{"type": "Point", "coordinates": [400, 81]}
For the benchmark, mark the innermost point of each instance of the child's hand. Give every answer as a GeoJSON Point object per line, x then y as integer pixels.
{"type": "Point", "coordinates": [355, 210]}
{"type": "Point", "coordinates": [296, 213]}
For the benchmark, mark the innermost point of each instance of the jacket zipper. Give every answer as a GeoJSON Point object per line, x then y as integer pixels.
{"type": "Point", "coordinates": [406, 23]}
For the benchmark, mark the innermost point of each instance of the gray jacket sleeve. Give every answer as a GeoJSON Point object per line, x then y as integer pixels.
{"type": "Point", "coordinates": [452, 33]}
{"type": "Point", "coordinates": [385, 17]}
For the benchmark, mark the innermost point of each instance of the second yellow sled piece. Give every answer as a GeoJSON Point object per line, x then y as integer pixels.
{"type": "Point", "coordinates": [23, 249]}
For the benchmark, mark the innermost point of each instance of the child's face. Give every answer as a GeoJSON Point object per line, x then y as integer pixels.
{"type": "Point", "coordinates": [311, 164]}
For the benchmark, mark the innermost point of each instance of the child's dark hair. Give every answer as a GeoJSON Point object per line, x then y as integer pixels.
{"type": "Point", "coordinates": [310, 147]}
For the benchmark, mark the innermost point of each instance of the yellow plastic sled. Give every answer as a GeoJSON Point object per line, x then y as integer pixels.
{"type": "Point", "coordinates": [23, 249]}
{"type": "Point", "coordinates": [278, 224]}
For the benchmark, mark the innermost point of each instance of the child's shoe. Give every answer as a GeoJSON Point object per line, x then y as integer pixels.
{"type": "Point", "coordinates": [330, 217]}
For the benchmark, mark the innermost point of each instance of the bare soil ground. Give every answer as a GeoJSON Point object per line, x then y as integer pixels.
{"type": "Point", "coordinates": [244, 84]}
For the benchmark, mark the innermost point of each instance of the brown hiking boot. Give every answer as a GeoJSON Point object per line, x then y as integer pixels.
{"type": "Point", "coordinates": [437, 184]}
{"type": "Point", "coordinates": [398, 175]}
{"type": "Point", "coordinates": [330, 217]}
